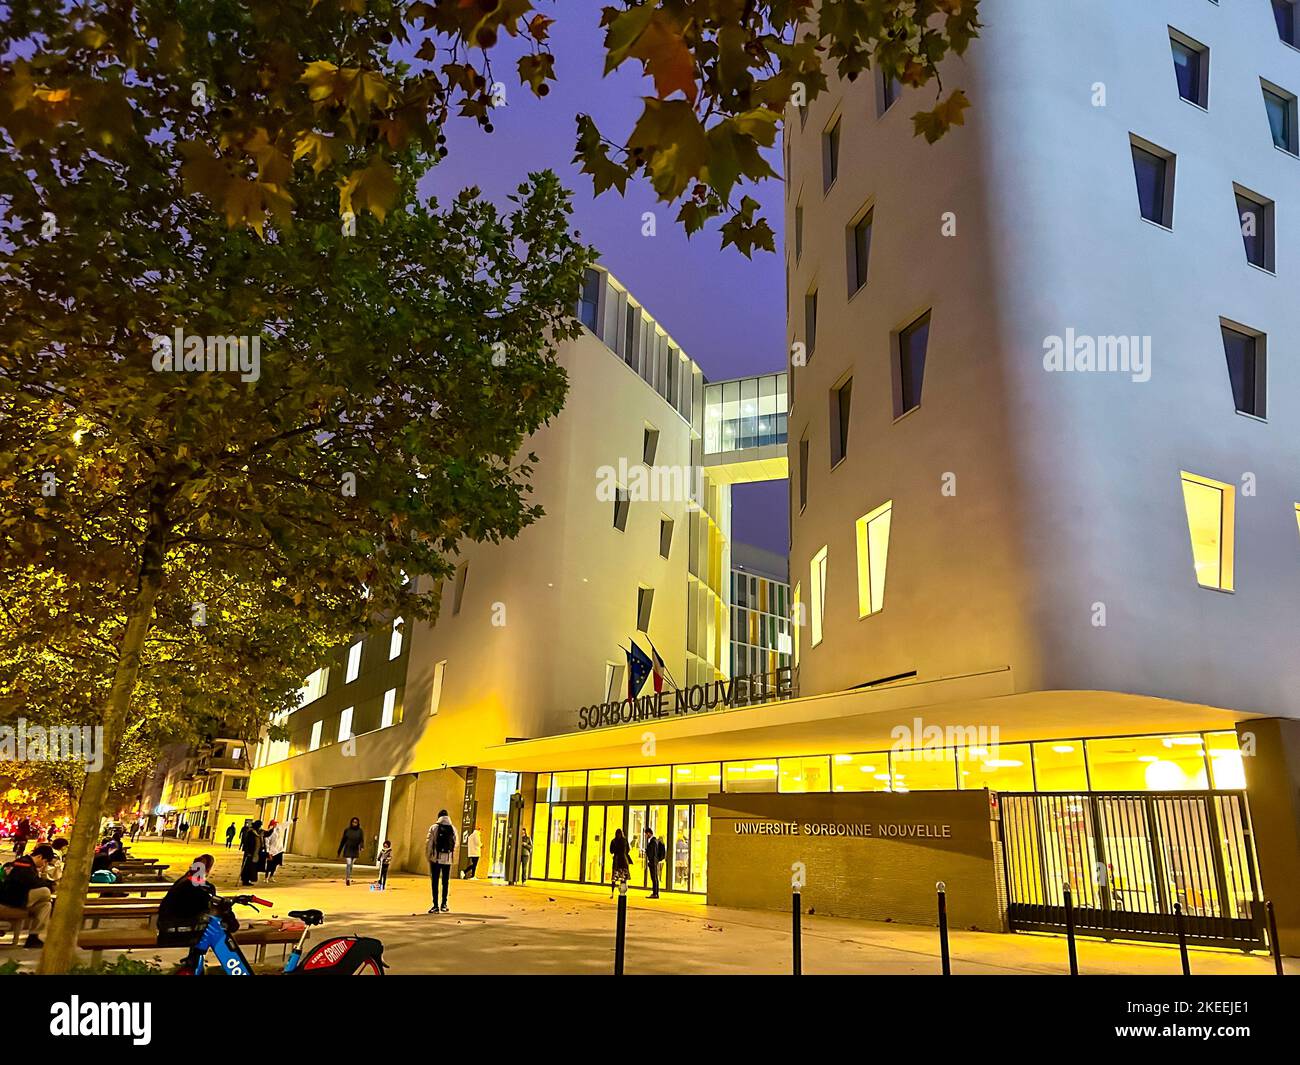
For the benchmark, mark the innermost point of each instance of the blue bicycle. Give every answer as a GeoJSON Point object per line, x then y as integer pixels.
{"type": "Point", "coordinates": [339, 956]}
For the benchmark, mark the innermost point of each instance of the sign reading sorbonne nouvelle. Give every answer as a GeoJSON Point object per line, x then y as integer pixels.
{"type": "Point", "coordinates": [718, 695]}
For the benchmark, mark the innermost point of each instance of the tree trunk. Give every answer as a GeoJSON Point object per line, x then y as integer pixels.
{"type": "Point", "coordinates": [65, 923]}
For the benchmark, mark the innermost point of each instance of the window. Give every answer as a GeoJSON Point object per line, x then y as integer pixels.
{"type": "Point", "coordinates": [913, 342]}
{"type": "Point", "coordinates": [860, 250]}
{"type": "Point", "coordinates": [796, 618]}
{"type": "Point", "coordinates": [1154, 171]}
{"type": "Point", "coordinates": [1210, 519]}
{"type": "Point", "coordinates": [830, 154]}
{"type": "Point", "coordinates": [395, 640]}
{"type": "Point", "coordinates": [1284, 12]}
{"type": "Point", "coordinates": [314, 742]}
{"type": "Point", "coordinates": [462, 575]}
{"type": "Point", "coordinates": [435, 691]}
{"type": "Point", "coordinates": [354, 662]}
{"type": "Point", "coordinates": [614, 680]}
{"type": "Point", "coordinates": [873, 555]}
{"type": "Point", "coordinates": [645, 598]}
{"type": "Point", "coordinates": [889, 89]}
{"type": "Point", "coordinates": [841, 404]}
{"type": "Point", "coordinates": [621, 505]}
{"type": "Point", "coordinates": [803, 473]}
{"type": "Point", "coordinates": [1255, 215]}
{"type": "Point", "coordinates": [313, 687]}
{"type": "Point", "coordinates": [1245, 354]}
{"type": "Point", "coordinates": [817, 584]}
{"type": "Point", "coordinates": [1191, 68]}
{"type": "Point", "coordinates": [798, 231]}
{"type": "Point", "coordinates": [1280, 107]}
{"type": "Point", "coordinates": [345, 725]}
{"type": "Point", "coordinates": [389, 713]}
{"type": "Point", "coordinates": [810, 324]}
{"type": "Point", "coordinates": [588, 304]}
{"type": "Point", "coordinates": [649, 445]}
{"type": "Point", "coordinates": [665, 537]}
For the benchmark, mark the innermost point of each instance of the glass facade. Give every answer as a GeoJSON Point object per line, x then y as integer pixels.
{"type": "Point", "coordinates": [748, 412]}
{"type": "Point", "coordinates": [761, 640]}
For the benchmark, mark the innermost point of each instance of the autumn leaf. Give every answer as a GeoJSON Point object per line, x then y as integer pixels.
{"type": "Point", "coordinates": [373, 189]}
{"type": "Point", "coordinates": [948, 113]}
{"type": "Point", "coordinates": [662, 50]}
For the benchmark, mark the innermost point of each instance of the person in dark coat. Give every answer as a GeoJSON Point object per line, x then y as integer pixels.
{"type": "Point", "coordinates": [26, 888]}
{"type": "Point", "coordinates": [350, 846]}
{"type": "Point", "coordinates": [22, 833]}
{"type": "Point", "coordinates": [250, 843]}
{"type": "Point", "coordinates": [230, 835]}
{"type": "Point", "coordinates": [620, 867]}
{"type": "Point", "coordinates": [654, 852]}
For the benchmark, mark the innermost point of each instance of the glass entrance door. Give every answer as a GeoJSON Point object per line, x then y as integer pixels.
{"type": "Point", "coordinates": [639, 818]}
{"type": "Point", "coordinates": [688, 848]}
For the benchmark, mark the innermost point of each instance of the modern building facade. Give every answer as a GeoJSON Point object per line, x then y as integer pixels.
{"type": "Point", "coordinates": [762, 639]}
{"type": "Point", "coordinates": [205, 790]}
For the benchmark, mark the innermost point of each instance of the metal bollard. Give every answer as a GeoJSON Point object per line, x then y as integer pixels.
{"type": "Point", "coordinates": [1069, 930]}
{"type": "Point", "coordinates": [620, 934]}
{"type": "Point", "coordinates": [1274, 946]}
{"type": "Point", "coordinates": [798, 932]}
{"type": "Point", "coordinates": [943, 926]}
{"type": "Point", "coordinates": [1182, 938]}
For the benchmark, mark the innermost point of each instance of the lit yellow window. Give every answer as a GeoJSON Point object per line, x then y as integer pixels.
{"type": "Point", "coordinates": [1210, 509]}
{"type": "Point", "coordinates": [873, 553]}
{"type": "Point", "coordinates": [1297, 514]}
{"type": "Point", "coordinates": [797, 618]}
{"type": "Point", "coordinates": [817, 583]}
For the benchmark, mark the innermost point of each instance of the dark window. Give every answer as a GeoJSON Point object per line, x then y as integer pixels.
{"type": "Point", "coordinates": [912, 343]}
{"type": "Point", "coordinates": [621, 505]}
{"type": "Point", "coordinates": [1151, 171]}
{"type": "Point", "coordinates": [629, 335]}
{"type": "Point", "coordinates": [803, 473]}
{"type": "Point", "coordinates": [841, 403]}
{"type": "Point", "coordinates": [1256, 220]}
{"type": "Point", "coordinates": [462, 575]}
{"type": "Point", "coordinates": [862, 249]}
{"type": "Point", "coordinates": [830, 155]}
{"type": "Point", "coordinates": [1245, 370]}
{"type": "Point", "coordinates": [590, 301]}
{"type": "Point", "coordinates": [1187, 68]}
{"type": "Point", "coordinates": [1284, 13]}
{"type": "Point", "coordinates": [665, 537]}
{"type": "Point", "coordinates": [649, 446]}
{"type": "Point", "coordinates": [645, 598]}
{"type": "Point", "coordinates": [890, 89]}
{"type": "Point", "coordinates": [798, 231]}
{"type": "Point", "coordinates": [1281, 120]}
{"type": "Point", "coordinates": [674, 368]}
{"type": "Point", "coordinates": [810, 324]}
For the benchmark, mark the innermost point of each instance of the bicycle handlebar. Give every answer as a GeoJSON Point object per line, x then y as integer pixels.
{"type": "Point", "coordinates": [248, 900]}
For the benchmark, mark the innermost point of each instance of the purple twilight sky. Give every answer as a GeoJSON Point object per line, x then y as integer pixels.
{"type": "Point", "coordinates": [726, 311]}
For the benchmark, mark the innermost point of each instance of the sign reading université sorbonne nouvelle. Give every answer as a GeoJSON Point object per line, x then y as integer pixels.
{"type": "Point", "coordinates": [717, 695]}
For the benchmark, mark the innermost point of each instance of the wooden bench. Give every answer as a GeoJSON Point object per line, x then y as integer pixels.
{"type": "Point", "coordinates": [17, 920]}
{"type": "Point", "coordinates": [260, 935]}
{"type": "Point", "coordinates": [121, 911]}
{"type": "Point", "coordinates": [131, 887]}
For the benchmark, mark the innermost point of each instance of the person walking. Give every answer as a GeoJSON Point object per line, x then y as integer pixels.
{"type": "Point", "coordinates": [525, 855]}
{"type": "Point", "coordinates": [655, 852]}
{"type": "Point", "coordinates": [620, 869]}
{"type": "Point", "coordinates": [474, 848]}
{"type": "Point", "coordinates": [230, 835]}
{"type": "Point", "coordinates": [440, 848]}
{"type": "Point", "coordinates": [251, 845]}
{"type": "Point", "coordinates": [26, 888]}
{"type": "Point", "coordinates": [385, 859]}
{"type": "Point", "coordinates": [350, 847]}
{"type": "Point", "coordinates": [274, 850]}
{"type": "Point", "coordinates": [22, 833]}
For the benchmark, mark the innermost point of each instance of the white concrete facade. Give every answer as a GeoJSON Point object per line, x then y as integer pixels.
{"type": "Point", "coordinates": [1064, 493]}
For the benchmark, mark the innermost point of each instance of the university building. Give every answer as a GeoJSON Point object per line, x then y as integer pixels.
{"type": "Point", "coordinates": [1040, 426]}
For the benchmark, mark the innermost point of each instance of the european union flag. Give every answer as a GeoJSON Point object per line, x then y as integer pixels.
{"type": "Point", "coordinates": [638, 669]}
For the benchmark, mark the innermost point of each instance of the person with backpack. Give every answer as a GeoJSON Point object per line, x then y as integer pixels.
{"type": "Point", "coordinates": [440, 848]}
{"type": "Point", "coordinates": [655, 853]}
{"type": "Point", "coordinates": [350, 847]}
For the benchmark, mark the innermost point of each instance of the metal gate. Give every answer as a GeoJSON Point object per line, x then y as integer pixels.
{"type": "Point", "coordinates": [1127, 858]}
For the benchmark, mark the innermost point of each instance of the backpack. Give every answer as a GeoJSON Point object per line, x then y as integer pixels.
{"type": "Point", "coordinates": [444, 840]}
{"type": "Point", "coordinates": [660, 851]}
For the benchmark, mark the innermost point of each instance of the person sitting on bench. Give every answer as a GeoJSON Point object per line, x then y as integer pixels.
{"type": "Point", "coordinates": [25, 888]}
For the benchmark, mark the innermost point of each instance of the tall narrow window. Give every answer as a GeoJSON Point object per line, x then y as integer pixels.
{"type": "Point", "coordinates": [841, 404]}
{"type": "Point", "coordinates": [354, 663]}
{"type": "Point", "coordinates": [817, 586]}
{"type": "Point", "coordinates": [1280, 106]}
{"type": "Point", "coordinates": [810, 324]}
{"type": "Point", "coordinates": [1210, 520]}
{"type": "Point", "coordinates": [622, 503]}
{"type": "Point", "coordinates": [1191, 68]}
{"type": "Point", "coordinates": [860, 250]}
{"type": "Point", "coordinates": [629, 334]}
{"type": "Point", "coordinates": [345, 725]}
{"type": "Point", "coordinates": [913, 341]}
{"type": "Point", "coordinates": [873, 555]}
{"type": "Point", "coordinates": [645, 598]}
{"type": "Point", "coordinates": [1284, 12]}
{"type": "Point", "coordinates": [389, 713]}
{"type": "Point", "coordinates": [803, 473]}
{"type": "Point", "coordinates": [395, 640]}
{"type": "Point", "coordinates": [798, 231]}
{"type": "Point", "coordinates": [890, 90]}
{"type": "Point", "coordinates": [462, 576]}
{"type": "Point", "coordinates": [796, 618]}
{"type": "Point", "coordinates": [1297, 515]}
{"type": "Point", "coordinates": [1255, 215]}
{"type": "Point", "coordinates": [435, 690]}
{"type": "Point", "coordinates": [1246, 369]}
{"type": "Point", "coordinates": [590, 299]}
{"type": "Point", "coordinates": [649, 445]}
{"type": "Point", "coordinates": [665, 537]}
{"type": "Point", "coordinates": [830, 154]}
{"type": "Point", "coordinates": [316, 729]}
{"type": "Point", "coordinates": [1154, 174]}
